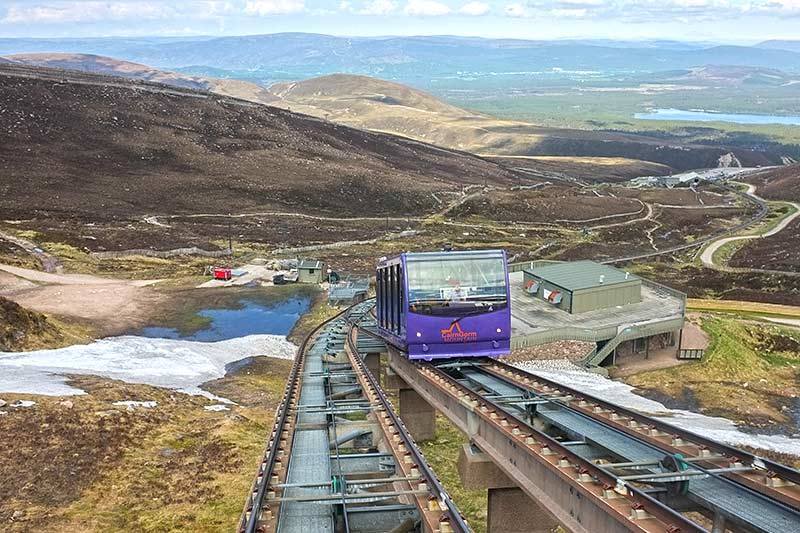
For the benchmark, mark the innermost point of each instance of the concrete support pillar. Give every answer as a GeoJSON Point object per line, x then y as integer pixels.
{"type": "Point", "coordinates": [512, 511]}
{"type": "Point", "coordinates": [719, 524]}
{"type": "Point", "coordinates": [373, 362]}
{"type": "Point", "coordinates": [478, 471]}
{"type": "Point", "coordinates": [418, 415]}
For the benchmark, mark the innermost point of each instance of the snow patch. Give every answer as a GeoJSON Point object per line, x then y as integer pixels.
{"type": "Point", "coordinates": [23, 403]}
{"type": "Point", "coordinates": [218, 407]}
{"type": "Point", "coordinates": [616, 392]}
{"type": "Point", "coordinates": [132, 404]}
{"type": "Point", "coordinates": [175, 364]}
{"type": "Point", "coordinates": [197, 391]}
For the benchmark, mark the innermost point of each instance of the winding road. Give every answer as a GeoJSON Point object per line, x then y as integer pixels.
{"type": "Point", "coordinates": [707, 257]}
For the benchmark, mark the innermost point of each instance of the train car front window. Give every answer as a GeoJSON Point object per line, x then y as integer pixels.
{"type": "Point", "coordinates": [456, 286]}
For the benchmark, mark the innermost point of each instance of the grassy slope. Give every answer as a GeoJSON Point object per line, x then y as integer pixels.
{"type": "Point", "coordinates": [615, 110]}
{"type": "Point", "coordinates": [699, 304]}
{"type": "Point", "coordinates": [22, 329]}
{"type": "Point", "coordinates": [104, 468]}
{"type": "Point", "coordinates": [176, 467]}
{"type": "Point", "coordinates": [442, 454]}
{"type": "Point", "coordinates": [748, 374]}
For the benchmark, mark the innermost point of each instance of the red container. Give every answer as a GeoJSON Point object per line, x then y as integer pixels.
{"type": "Point", "coordinates": [222, 273]}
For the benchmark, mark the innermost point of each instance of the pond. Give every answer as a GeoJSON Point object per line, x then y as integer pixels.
{"type": "Point", "coordinates": [707, 116]}
{"type": "Point", "coordinates": [253, 312]}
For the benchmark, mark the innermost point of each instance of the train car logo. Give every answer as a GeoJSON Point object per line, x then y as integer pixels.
{"type": "Point", "coordinates": [455, 334]}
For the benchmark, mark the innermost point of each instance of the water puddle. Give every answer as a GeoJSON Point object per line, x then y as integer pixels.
{"type": "Point", "coordinates": [242, 313]}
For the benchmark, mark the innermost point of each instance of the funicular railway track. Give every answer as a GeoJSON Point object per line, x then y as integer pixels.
{"type": "Point", "coordinates": [600, 467]}
{"type": "Point", "coordinates": [594, 465]}
{"type": "Point", "coordinates": [338, 458]}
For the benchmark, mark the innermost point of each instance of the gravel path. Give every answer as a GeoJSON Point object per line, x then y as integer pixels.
{"type": "Point", "coordinates": [707, 257]}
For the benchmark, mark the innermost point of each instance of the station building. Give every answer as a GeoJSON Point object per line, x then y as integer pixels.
{"type": "Point", "coordinates": [623, 316]}
{"type": "Point", "coordinates": [582, 286]}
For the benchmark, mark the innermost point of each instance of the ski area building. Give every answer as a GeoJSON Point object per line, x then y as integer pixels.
{"type": "Point", "coordinates": [581, 286]}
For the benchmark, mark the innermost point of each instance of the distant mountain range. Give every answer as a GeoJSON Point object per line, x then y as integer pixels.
{"type": "Point", "coordinates": [385, 106]}
{"type": "Point", "coordinates": [792, 46]}
{"type": "Point", "coordinates": [287, 56]}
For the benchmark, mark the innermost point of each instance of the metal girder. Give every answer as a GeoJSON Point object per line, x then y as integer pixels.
{"type": "Point", "coordinates": [580, 497]}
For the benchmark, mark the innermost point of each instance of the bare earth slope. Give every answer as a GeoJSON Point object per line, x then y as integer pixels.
{"type": "Point", "coordinates": [114, 67]}
{"type": "Point", "coordinates": [100, 147]}
{"type": "Point", "coordinates": [381, 105]}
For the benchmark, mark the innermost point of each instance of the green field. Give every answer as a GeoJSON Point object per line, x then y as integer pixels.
{"type": "Point", "coordinates": [614, 109]}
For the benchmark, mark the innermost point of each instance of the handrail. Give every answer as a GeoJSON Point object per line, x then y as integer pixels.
{"type": "Point", "coordinates": [633, 331]}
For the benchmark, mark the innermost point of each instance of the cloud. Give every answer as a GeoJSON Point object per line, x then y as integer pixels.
{"type": "Point", "coordinates": [651, 11]}
{"type": "Point", "coordinates": [64, 12]}
{"type": "Point", "coordinates": [426, 8]}
{"type": "Point", "coordinates": [474, 9]}
{"type": "Point", "coordinates": [515, 10]}
{"type": "Point", "coordinates": [378, 7]}
{"type": "Point", "coordinates": [273, 7]}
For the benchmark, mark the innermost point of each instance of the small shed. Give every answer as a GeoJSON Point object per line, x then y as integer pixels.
{"type": "Point", "coordinates": [581, 286]}
{"type": "Point", "coordinates": [311, 271]}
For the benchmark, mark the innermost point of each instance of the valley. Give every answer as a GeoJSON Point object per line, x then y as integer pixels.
{"type": "Point", "coordinates": [121, 183]}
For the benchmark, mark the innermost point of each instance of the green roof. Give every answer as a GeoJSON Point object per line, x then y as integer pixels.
{"type": "Point", "coordinates": [577, 275]}
{"type": "Point", "coordinates": [310, 264]}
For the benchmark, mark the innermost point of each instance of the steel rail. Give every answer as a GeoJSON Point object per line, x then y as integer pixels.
{"type": "Point", "coordinates": [778, 481]}
{"type": "Point", "coordinates": [454, 518]}
{"type": "Point", "coordinates": [251, 515]}
{"type": "Point", "coordinates": [726, 477]}
{"type": "Point", "coordinates": [423, 488]}
{"type": "Point", "coordinates": [581, 495]}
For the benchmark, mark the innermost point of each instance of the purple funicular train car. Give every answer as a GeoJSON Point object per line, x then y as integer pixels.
{"type": "Point", "coordinates": [437, 305]}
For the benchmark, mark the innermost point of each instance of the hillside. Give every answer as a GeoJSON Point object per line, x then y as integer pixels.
{"type": "Point", "coordinates": [125, 69]}
{"type": "Point", "coordinates": [385, 106]}
{"type": "Point", "coordinates": [778, 184]}
{"type": "Point", "coordinates": [23, 329]}
{"type": "Point", "coordinates": [734, 75]}
{"type": "Point", "coordinates": [380, 105]}
{"type": "Point", "coordinates": [93, 149]}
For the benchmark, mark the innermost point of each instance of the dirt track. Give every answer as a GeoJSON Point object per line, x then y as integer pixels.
{"type": "Point", "coordinates": [112, 306]}
{"type": "Point", "coordinates": [707, 257]}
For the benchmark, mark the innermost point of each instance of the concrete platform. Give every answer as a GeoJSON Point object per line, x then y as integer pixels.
{"type": "Point", "coordinates": [531, 315]}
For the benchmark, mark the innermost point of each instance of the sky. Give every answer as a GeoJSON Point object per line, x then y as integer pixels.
{"type": "Point", "coordinates": [726, 21]}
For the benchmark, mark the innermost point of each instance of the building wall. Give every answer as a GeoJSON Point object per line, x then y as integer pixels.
{"type": "Point", "coordinates": [306, 276]}
{"type": "Point", "coordinates": [604, 297]}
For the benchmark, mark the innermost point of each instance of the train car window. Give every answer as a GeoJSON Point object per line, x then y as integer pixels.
{"type": "Point", "coordinates": [396, 292]}
{"type": "Point", "coordinates": [390, 307]}
{"type": "Point", "coordinates": [396, 296]}
{"type": "Point", "coordinates": [386, 298]}
{"type": "Point", "coordinates": [456, 286]}
{"type": "Point", "coordinates": [379, 295]}
{"type": "Point", "coordinates": [385, 287]}
{"type": "Point", "coordinates": [401, 304]}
